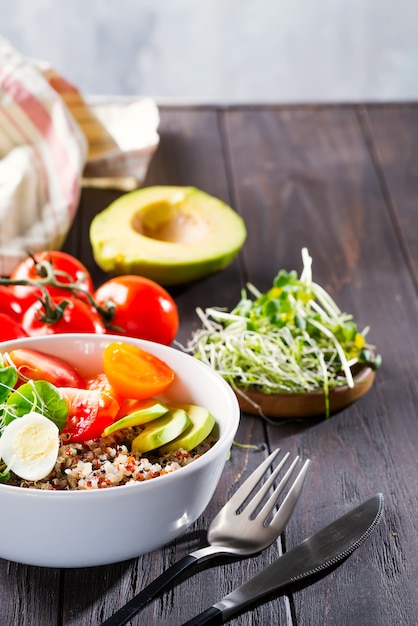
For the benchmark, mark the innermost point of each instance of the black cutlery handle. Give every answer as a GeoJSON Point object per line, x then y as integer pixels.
{"type": "Point", "coordinates": [212, 616]}
{"type": "Point", "coordinates": [149, 592]}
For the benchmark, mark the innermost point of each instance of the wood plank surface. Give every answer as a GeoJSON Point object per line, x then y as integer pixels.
{"type": "Point", "coordinates": [393, 138]}
{"type": "Point", "coordinates": [327, 196]}
{"type": "Point", "coordinates": [340, 180]}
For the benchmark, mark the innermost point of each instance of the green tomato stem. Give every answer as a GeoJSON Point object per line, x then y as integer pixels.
{"type": "Point", "coordinates": [54, 312]}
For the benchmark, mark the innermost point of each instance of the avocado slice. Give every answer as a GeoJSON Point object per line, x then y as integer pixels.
{"type": "Point", "coordinates": [160, 431]}
{"type": "Point", "coordinates": [172, 235]}
{"type": "Point", "coordinates": [141, 416]}
{"type": "Point", "coordinates": [202, 423]}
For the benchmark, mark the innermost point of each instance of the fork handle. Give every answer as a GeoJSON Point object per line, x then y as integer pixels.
{"type": "Point", "coordinates": [149, 592]}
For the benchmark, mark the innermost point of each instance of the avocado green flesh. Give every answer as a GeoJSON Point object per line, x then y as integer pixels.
{"type": "Point", "coordinates": [172, 235]}
{"type": "Point", "coordinates": [160, 431]}
{"type": "Point", "coordinates": [137, 418]}
{"type": "Point", "coordinates": [202, 423]}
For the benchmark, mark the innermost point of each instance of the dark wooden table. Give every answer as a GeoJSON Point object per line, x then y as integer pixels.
{"type": "Point", "coordinates": [343, 181]}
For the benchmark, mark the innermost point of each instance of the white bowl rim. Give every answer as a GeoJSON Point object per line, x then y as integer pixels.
{"type": "Point", "coordinates": [119, 490]}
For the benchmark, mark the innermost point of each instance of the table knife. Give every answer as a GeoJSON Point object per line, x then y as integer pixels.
{"type": "Point", "coordinates": [320, 551]}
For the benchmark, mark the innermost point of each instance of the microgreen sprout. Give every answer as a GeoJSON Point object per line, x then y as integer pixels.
{"type": "Point", "coordinates": [293, 338]}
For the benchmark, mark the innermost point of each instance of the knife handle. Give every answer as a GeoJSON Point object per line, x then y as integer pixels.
{"type": "Point", "coordinates": [149, 592]}
{"type": "Point", "coordinates": [212, 616]}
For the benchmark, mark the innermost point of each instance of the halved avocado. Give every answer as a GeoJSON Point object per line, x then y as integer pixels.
{"type": "Point", "coordinates": [172, 235]}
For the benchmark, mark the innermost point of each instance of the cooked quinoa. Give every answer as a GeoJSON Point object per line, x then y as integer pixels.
{"type": "Point", "coordinates": [108, 462]}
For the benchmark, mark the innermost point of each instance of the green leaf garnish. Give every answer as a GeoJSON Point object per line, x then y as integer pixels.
{"type": "Point", "coordinates": [38, 395]}
{"type": "Point", "coordinates": [8, 379]}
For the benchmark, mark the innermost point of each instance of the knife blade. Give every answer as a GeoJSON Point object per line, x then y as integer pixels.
{"type": "Point", "coordinates": [326, 548]}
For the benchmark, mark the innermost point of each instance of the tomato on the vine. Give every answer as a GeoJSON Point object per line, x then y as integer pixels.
{"type": "Point", "coordinates": [10, 328]}
{"type": "Point", "coordinates": [10, 304]}
{"type": "Point", "coordinates": [36, 365]}
{"type": "Point", "coordinates": [90, 412]}
{"type": "Point", "coordinates": [69, 315]}
{"type": "Point", "coordinates": [143, 309]}
{"type": "Point", "coordinates": [67, 269]}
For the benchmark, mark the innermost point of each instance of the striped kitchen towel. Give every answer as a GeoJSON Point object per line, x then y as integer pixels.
{"type": "Point", "coordinates": [43, 153]}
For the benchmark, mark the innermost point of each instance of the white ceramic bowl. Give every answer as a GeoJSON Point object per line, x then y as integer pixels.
{"type": "Point", "coordinates": [97, 527]}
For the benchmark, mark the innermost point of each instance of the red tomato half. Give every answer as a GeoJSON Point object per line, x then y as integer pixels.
{"type": "Point", "coordinates": [144, 309]}
{"type": "Point", "coordinates": [90, 412]}
{"type": "Point", "coordinates": [67, 269]}
{"type": "Point", "coordinates": [10, 328]}
{"type": "Point", "coordinates": [37, 365]}
{"type": "Point", "coordinates": [100, 382]}
{"type": "Point", "coordinates": [126, 405]}
{"type": "Point", "coordinates": [78, 317]}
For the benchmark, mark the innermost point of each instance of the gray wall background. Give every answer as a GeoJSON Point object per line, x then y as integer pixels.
{"type": "Point", "coordinates": [225, 50]}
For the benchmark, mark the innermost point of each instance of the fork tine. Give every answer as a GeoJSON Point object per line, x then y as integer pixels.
{"type": "Point", "coordinates": [266, 486]}
{"type": "Point", "coordinates": [248, 485]}
{"type": "Point", "coordinates": [285, 510]}
{"type": "Point", "coordinates": [268, 506]}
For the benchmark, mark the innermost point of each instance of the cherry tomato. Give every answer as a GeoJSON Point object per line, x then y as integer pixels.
{"type": "Point", "coordinates": [126, 405]}
{"type": "Point", "coordinates": [67, 268]}
{"type": "Point", "coordinates": [37, 365]}
{"type": "Point", "coordinates": [143, 309]}
{"type": "Point", "coordinates": [10, 304]}
{"type": "Point", "coordinates": [10, 328]}
{"type": "Point", "coordinates": [90, 412]}
{"type": "Point", "coordinates": [78, 317]}
{"type": "Point", "coordinates": [101, 382]}
{"type": "Point", "coordinates": [134, 373]}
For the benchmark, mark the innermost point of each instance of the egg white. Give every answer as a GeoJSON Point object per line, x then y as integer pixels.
{"type": "Point", "coordinates": [29, 446]}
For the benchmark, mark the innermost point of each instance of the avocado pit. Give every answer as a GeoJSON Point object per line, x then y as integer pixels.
{"type": "Point", "coordinates": [170, 222]}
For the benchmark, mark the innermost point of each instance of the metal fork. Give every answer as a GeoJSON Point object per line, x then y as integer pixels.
{"type": "Point", "coordinates": [241, 528]}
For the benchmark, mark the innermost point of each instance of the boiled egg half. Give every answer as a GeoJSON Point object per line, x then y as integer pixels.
{"type": "Point", "coordinates": [29, 446]}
